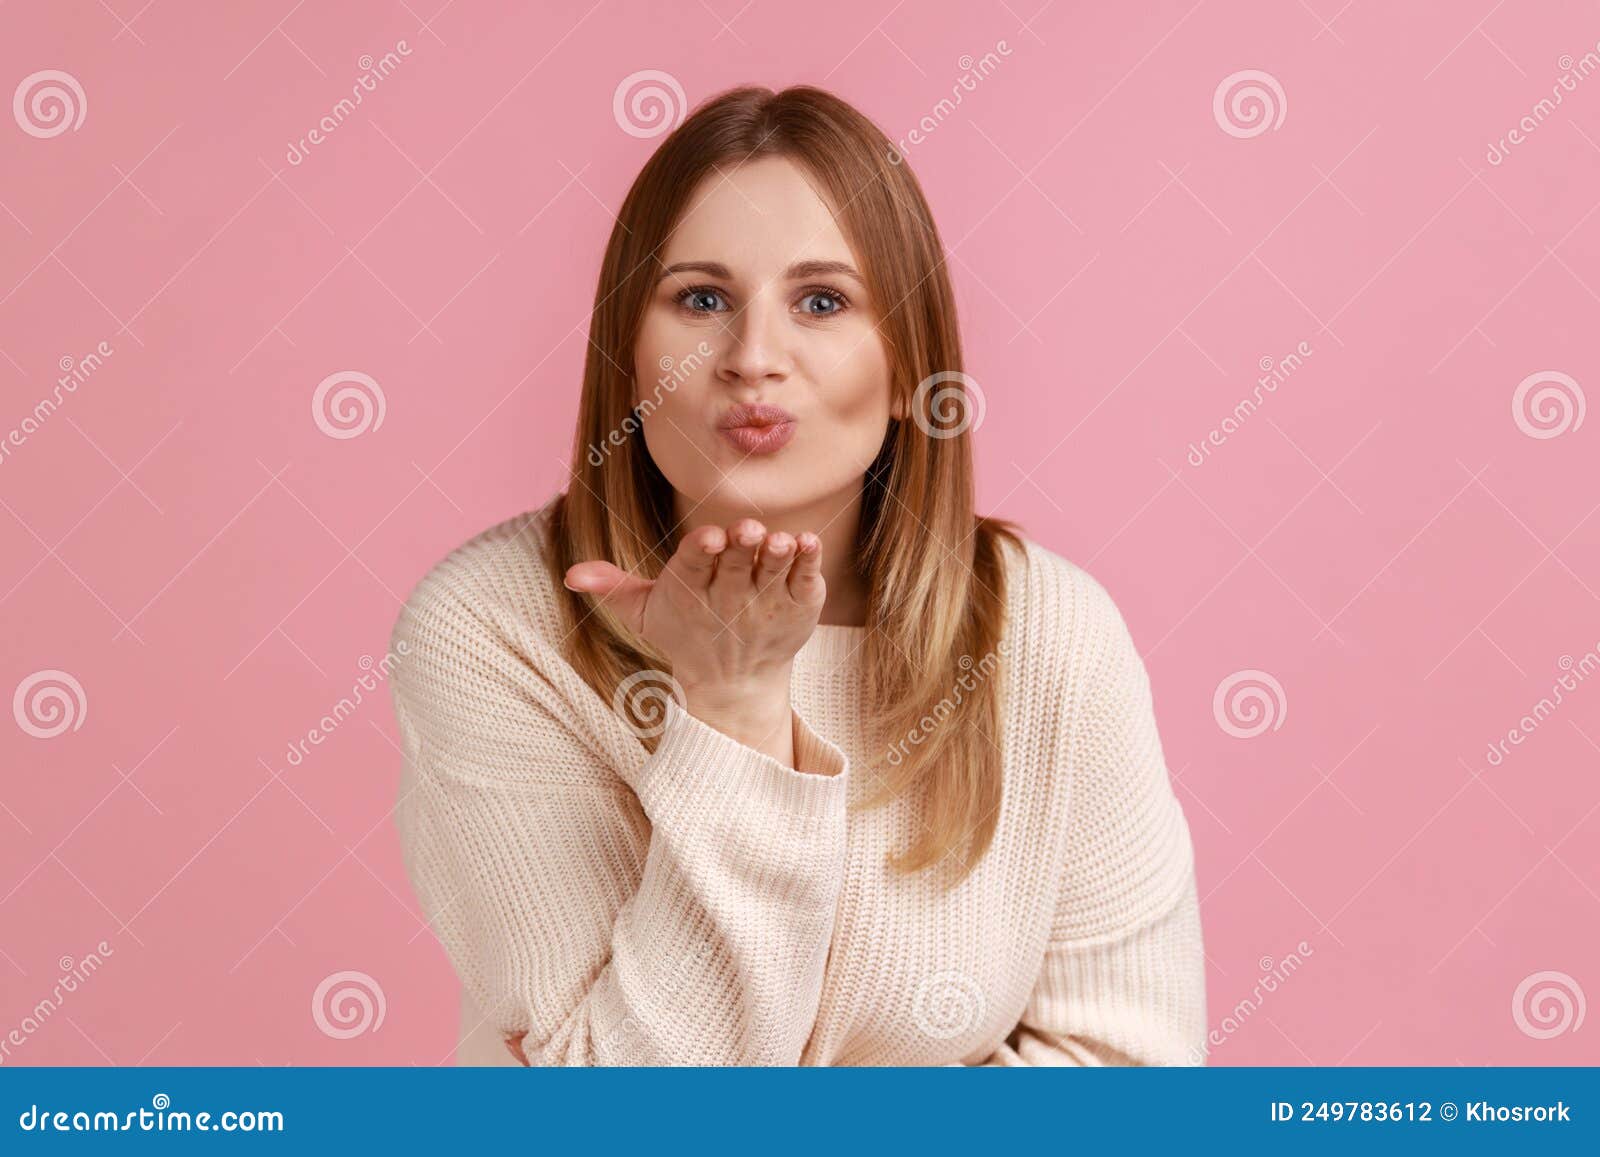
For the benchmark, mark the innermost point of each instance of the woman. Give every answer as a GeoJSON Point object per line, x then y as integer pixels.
{"type": "Point", "coordinates": [756, 746]}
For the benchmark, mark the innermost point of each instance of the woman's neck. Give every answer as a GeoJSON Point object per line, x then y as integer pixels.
{"type": "Point", "coordinates": [835, 520]}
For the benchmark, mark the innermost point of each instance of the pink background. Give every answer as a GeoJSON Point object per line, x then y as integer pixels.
{"type": "Point", "coordinates": [1383, 537]}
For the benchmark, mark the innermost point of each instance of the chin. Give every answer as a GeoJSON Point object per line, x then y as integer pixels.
{"type": "Point", "coordinates": [761, 490]}
{"type": "Point", "coordinates": [766, 496]}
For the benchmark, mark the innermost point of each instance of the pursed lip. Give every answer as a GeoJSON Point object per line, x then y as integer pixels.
{"type": "Point", "coordinates": [746, 415]}
{"type": "Point", "coordinates": [757, 429]}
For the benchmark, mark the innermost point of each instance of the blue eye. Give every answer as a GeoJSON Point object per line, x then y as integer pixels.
{"type": "Point", "coordinates": [831, 298]}
{"type": "Point", "coordinates": [817, 302]}
{"type": "Point", "coordinates": [694, 299]}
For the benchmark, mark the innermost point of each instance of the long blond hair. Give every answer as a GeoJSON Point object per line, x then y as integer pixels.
{"type": "Point", "coordinates": [934, 571]}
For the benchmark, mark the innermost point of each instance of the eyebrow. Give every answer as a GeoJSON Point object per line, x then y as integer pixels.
{"type": "Point", "coordinates": [796, 272]}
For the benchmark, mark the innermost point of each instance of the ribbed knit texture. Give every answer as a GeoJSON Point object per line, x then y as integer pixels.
{"type": "Point", "coordinates": [704, 904]}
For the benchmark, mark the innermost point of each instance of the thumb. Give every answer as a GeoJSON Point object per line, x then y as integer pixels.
{"type": "Point", "coordinates": [624, 593]}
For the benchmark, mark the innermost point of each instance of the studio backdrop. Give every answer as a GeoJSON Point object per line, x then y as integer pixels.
{"type": "Point", "coordinates": [1279, 320]}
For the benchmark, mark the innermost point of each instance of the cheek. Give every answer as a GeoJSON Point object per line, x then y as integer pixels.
{"type": "Point", "coordinates": [672, 366]}
{"type": "Point", "coordinates": [855, 385]}
{"type": "Point", "coordinates": [664, 415]}
{"type": "Point", "coordinates": [665, 429]}
{"type": "Point", "coordinates": [670, 404]}
{"type": "Point", "coordinates": [648, 351]}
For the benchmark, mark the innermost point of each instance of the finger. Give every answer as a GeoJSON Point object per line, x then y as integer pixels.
{"type": "Point", "coordinates": [695, 560]}
{"type": "Point", "coordinates": [777, 552]}
{"type": "Point", "coordinates": [806, 585]}
{"type": "Point", "coordinates": [622, 592]}
{"type": "Point", "coordinates": [735, 564]}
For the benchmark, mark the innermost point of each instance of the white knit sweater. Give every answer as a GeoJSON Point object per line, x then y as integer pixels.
{"type": "Point", "coordinates": [705, 904]}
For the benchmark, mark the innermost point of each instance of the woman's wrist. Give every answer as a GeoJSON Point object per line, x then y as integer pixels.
{"type": "Point", "coordinates": [758, 715]}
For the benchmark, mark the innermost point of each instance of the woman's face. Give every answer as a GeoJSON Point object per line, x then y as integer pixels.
{"type": "Point", "coordinates": [761, 380]}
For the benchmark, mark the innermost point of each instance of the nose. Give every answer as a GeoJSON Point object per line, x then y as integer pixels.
{"type": "Point", "coordinates": [755, 344]}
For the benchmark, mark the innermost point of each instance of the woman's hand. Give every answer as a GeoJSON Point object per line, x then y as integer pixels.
{"type": "Point", "coordinates": [729, 610]}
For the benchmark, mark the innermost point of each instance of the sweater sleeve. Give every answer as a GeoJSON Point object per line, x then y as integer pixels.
{"type": "Point", "coordinates": [1123, 976]}
{"type": "Point", "coordinates": [670, 909]}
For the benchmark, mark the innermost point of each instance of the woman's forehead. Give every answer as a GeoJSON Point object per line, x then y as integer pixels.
{"type": "Point", "coordinates": [757, 219]}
